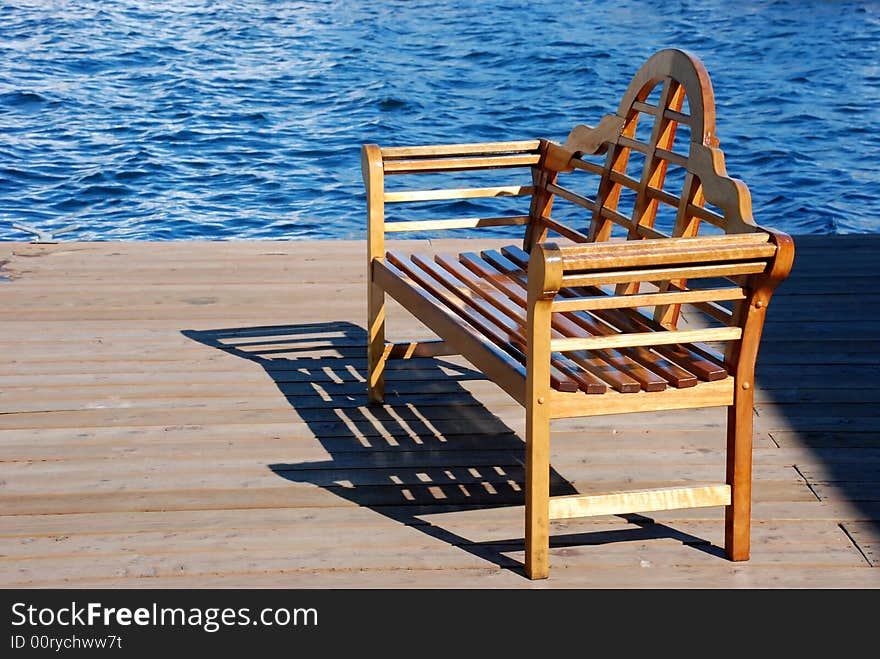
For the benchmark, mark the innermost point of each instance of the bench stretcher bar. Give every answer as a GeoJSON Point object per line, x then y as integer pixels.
{"type": "Point", "coordinates": [638, 501]}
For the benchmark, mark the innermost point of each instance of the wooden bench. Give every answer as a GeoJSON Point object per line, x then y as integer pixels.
{"type": "Point", "coordinates": [588, 324]}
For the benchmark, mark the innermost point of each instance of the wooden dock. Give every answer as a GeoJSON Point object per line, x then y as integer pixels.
{"type": "Point", "coordinates": [192, 414]}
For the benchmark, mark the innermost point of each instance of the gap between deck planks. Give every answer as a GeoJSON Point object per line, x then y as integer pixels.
{"type": "Point", "coordinates": [121, 413]}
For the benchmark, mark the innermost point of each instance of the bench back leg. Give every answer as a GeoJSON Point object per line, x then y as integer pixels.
{"type": "Point", "coordinates": [375, 342]}
{"type": "Point", "coordinates": [371, 165]}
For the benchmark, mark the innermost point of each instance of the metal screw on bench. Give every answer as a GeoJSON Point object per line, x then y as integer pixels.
{"type": "Point", "coordinates": [43, 236]}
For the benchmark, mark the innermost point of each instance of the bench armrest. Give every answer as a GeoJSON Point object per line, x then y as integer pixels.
{"type": "Point", "coordinates": [567, 279]}
{"type": "Point", "coordinates": [378, 163]}
{"type": "Point", "coordinates": [763, 252]}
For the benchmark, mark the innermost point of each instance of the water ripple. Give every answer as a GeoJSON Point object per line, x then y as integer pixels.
{"type": "Point", "coordinates": [219, 119]}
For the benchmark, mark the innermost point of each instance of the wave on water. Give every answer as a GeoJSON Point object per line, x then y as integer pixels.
{"type": "Point", "coordinates": [227, 120]}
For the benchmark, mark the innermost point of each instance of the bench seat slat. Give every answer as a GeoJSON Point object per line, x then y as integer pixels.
{"type": "Point", "coordinates": [588, 382]}
{"type": "Point", "coordinates": [500, 330]}
{"type": "Point", "coordinates": [509, 374]}
{"type": "Point", "coordinates": [583, 324]}
{"type": "Point", "coordinates": [681, 357]}
{"type": "Point", "coordinates": [486, 294]}
{"type": "Point", "coordinates": [479, 294]}
{"type": "Point", "coordinates": [593, 365]}
{"type": "Point", "coordinates": [618, 380]}
{"type": "Point", "coordinates": [621, 372]}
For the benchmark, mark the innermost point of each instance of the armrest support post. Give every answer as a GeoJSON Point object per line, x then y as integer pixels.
{"type": "Point", "coordinates": [544, 280]}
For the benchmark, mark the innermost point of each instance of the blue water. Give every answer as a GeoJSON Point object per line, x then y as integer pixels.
{"type": "Point", "coordinates": [224, 119]}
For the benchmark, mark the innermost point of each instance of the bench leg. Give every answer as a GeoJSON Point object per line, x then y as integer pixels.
{"type": "Point", "coordinates": [537, 562]}
{"type": "Point", "coordinates": [737, 519]}
{"type": "Point", "coordinates": [375, 343]}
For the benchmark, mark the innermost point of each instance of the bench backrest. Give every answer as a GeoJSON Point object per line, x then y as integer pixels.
{"type": "Point", "coordinates": [666, 121]}
{"type": "Point", "coordinates": [656, 156]}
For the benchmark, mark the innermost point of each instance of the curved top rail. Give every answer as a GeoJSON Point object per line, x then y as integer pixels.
{"type": "Point", "coordinates": [687, 70]}
{"type": "Point", "coordinates": [681, 77]}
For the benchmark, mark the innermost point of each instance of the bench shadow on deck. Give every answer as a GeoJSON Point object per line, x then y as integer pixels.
{"type": "Point", "coordinates": [417, 455]}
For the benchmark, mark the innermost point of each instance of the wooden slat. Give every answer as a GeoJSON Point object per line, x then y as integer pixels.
{"type": "Point", "coordinates": [676, 252]}
{"type": "Point", "coordinates": [459, 193]}
{"type": "Point", "coordinates": [615, 216]}
{"type": "Point", "coordinates": [705, 394]}
{"type": "Point", "coordinates": [635, 145]}
{"type": "Point", "coordinates": [564, 230]}
{"type": "Point", "coordinates": [672, 157]}
{"type": "Point", "coordinates": [624, 180]}
{"type": "Point", "coordinates": [587, 382]}
{"type": "Point", "coordinates": [506, 372]}
{"type": "Point", "coordinates": [665, 360]}
{"type": "Point", "coordinates": [460, 149]}
{"type": "Point", "coordinates": [709, 307]}
{"type": "Point", "coordinates": [506, 317]}
{"type": "Point", "coordinates": [573, 197]}
{"type": "Point", "coordinates": [679, 117]}
{"type": "Point", "coordinates": [646, 339]}
{"type": "Point", "coordinates": [620, 503]}
{"type": "Point", "coordinates": [705, 214]}
{"type": "Point", "coordinates": [662, 274]}
{"type": "Point", "coordinates": [463, 163]}
{"type": "Point", "coordinates": [643, 230]}
{"type": "Point", "coordinates": [456, 223]}
{"type": "Point", "coordinates": [644, 107]}
{"type": "Point", "coordinates": [587, 166]}
{"type": "Point", "coordinates": [627, 374]}
{"type": "Point", "coordinates": [647, 299]}
{"type": "Point", "coordinates": [605, 365]}
{"type": "Point", "coordinates": [661, 195]}
{"type": "Point", "coordinates": [573, 252]}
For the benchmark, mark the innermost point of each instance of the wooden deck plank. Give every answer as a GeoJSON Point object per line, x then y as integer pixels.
{"type": "Point", "coordinates": [136, 453]}
{"type": "Point", "coordinates": [389, 535]}
{"type": "Point", "coordinates": [307, 495]}
{"type": "Point", "coordinates": [736, 576]}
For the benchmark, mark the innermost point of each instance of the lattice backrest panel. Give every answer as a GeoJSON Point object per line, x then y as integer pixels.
{"type": "Point", "coordinates": [660, 154]}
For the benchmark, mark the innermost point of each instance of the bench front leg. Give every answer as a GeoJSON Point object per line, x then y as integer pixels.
{"type": "Point", "coordinates": [545, 276]}
{"type": "Point", "coordinates": [740, 359]}
{"type": "Point", "coordinates": [374, 180]}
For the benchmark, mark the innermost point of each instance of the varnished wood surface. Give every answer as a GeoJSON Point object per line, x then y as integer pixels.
{"type": "Point", "coordinates": [136, 452]}
{"type": "Point", "coordinates": [641, 501]}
